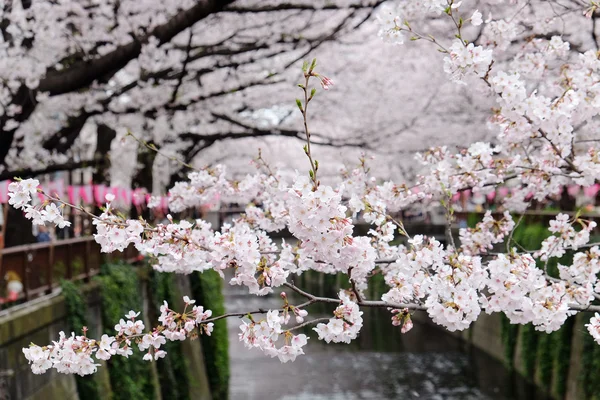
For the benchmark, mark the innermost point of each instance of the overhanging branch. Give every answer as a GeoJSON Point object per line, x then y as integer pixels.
{"type": "Point", "coordinates": [83, 73]}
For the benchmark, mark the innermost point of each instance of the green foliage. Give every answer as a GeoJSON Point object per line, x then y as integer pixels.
{"type": "Point", "coordinates": [77, 266]}
{"type": "Point", "coordinates": [545, 357]}
{"type": "Point", "coordinates": [547, 354]}
{"type": "Point", "coordinates": [87, 386]}
{"type": "Point", "coordinates": [130, 378]}
{"type": "Point", "coordinates": [172, 370]}
{"type": "Point", "coordinates": [529, 339]}
{"type": "Point", "coordinates": [590, 363]}
{"type": "Point", "coordinates": [509, 334]}
{"type": "Point", "coordinates": [76, 306]}
{"type": "Point", "coordinates": [473, 219]}
{"type": "Point", "coordinates": [531, 235]}
{"type": "Point", "coordinates": [562, 356]}
{"type": "Point", "coordinates": [554, 350]}
{"type": "Point", "coordinates": [377, 286]}
{"type": "Point", "coordinates": [207, 290]}
{"type": "Point", "coordinates": [59, 271]}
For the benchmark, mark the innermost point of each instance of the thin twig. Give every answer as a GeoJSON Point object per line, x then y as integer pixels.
{"type": "Point", "coordinates": [314, 321]}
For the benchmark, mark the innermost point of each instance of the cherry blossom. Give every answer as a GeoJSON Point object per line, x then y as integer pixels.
{"type": "Point", "coordinates": [345, 325]}
{"type": "Point", "coordinates": [545, 104]}
{"type": "Point", "coordinates": [73, 354]}
{"type": "Point", "coordinates": [594, 327]}
{"type": "Point", "coordinates": [476, 18]}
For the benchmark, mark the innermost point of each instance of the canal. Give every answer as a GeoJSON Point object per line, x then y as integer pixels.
{"type": "Point", "coordinates": [426, 363]}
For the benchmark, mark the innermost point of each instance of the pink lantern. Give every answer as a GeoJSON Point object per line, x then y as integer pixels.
{"type": "Point", "coordinates": [116, 191]}
{"type": "Point", "coordinates": [4, 192]}
{"type": "Point", "coordinates": [138, 196]}
{"type": "Point", "coordinates": [126, 196]}
{"type": "Point", "coordinates": [73, 192]}
{"type": "Point", "coordinates": [56, 188]}
{"type": "Point", "coordinates": [99, 193]}
{"type": "Point", "coordinates": [86, 193]}
{"type": "Point", "coordinates": [573, 190]}
{"type": "Point", "coordinates": [591, 190]}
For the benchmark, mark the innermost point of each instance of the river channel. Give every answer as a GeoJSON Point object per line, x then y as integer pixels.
{"type": "Point", "coordinates": [426, 363]}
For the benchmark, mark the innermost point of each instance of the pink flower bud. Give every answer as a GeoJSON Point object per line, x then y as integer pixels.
{"type": "Point", "coordinates": [326, 83]}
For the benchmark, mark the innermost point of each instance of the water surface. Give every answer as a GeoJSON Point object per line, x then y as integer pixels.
{"type": "Point", "coordinates": [426, 363]}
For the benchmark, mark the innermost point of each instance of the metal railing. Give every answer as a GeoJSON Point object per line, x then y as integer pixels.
{"type": "Point", "coordinates": [41, 266]}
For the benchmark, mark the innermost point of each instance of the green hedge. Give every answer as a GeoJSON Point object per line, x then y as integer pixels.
{"type": "Point", "coordinates": [172, 371]}
{"type": "Point", "coordinates": [562, 356]}
{"type": "Point", "coordinates": [131, 378]}
{"type": "Point", "coordinates": [529, 340]}
{"type": "Point", "coordinates": [87, 386]}
{"type": "Point", "coordinates": [207, 291]}
{"type": "Point", "coordinates": [509, 334]}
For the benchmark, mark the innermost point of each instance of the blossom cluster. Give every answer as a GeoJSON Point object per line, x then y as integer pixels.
{"type": "Point", "coordinates": [486, 233]}
{"type": "Point", "coordinates": [564, 237]}
{"type": "Point", "coordinates": [402, 319]}
{"type": "Point", "coordinates": [73, 354]}
{"type": "Point", "coordinates": [20, 197]}
{"type": "Point", "coordinates": [519, 289]}
{"type": "Point", "coordinates": [264, 334]}
{"type": "Point", "coordinates": [345, 324]}
{"type": "Point", "coordinates": [467, 59]}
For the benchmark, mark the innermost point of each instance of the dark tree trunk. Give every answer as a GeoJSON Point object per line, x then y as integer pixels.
{"type": "Point", "coordinates": [143, 179]}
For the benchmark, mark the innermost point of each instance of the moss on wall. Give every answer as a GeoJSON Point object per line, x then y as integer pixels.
{"type": "Point", "coordinates": [207, 290]}
{"type": "Point", "coordinates": [172, 371]}
{"type": "Point", "coordinates": [563, 339]}
{"type": "Point", "coordinates": [130, 378]}
{"type": "Point", "coordinates": [87, 386]}
{"type": "Point", "coordinates": [509, 334]}
{"type": "Point", "coordinates": [529, 340]}
{"type": "Point", "coordinates": [545, 358]}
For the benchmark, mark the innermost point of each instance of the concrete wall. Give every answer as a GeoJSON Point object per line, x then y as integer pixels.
{"type": "Point", "coordinates": [39, 322]}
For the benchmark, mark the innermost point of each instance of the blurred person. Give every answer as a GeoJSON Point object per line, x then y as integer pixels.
{"type": "Point", "coordinates": [14, 286]}
{"type": "Point", "coordinates": [43, 234]}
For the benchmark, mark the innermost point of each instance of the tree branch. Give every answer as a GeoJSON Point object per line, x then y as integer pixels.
{"type": "Point", "coordinates": [83, 73]}
{"type": "Point", "coordinates": [290, 6]}
{"type": "Point", "coordinates": [70, 166]}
